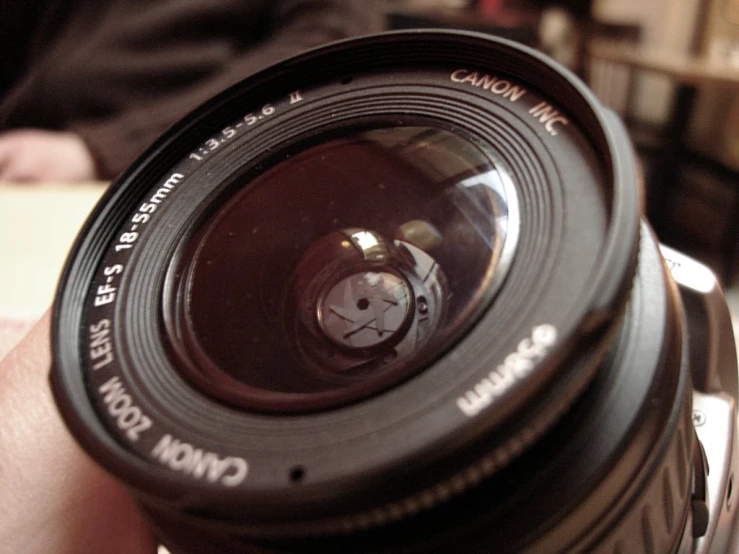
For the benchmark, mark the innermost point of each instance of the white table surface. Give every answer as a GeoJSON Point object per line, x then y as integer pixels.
{"type": "Point", "coordinates": [38, 224]}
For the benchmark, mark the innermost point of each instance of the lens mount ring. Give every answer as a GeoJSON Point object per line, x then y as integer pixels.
{"type": "Point", "coordinates": [569, 175]}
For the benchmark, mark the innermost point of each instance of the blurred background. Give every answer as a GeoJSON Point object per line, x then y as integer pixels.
{"type": "Point", "coordinates": [102, 79]}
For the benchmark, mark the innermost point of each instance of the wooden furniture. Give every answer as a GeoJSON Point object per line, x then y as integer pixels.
{"type": "Point", "coordinates": [689, 73]}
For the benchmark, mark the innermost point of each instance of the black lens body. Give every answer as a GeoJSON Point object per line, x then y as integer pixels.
{"type": "Point", "coordinates": [397, 295]}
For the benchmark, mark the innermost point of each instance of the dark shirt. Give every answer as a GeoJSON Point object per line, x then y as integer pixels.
{"type": "Point", "coordinates": [120, 72]}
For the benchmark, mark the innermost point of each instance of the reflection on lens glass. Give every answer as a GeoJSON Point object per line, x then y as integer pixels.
{"type": "Point", "coordinates": [343, 268]}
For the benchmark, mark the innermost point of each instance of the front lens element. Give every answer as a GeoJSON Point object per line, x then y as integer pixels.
{"type": "Point", "coordinates": [342, 267]}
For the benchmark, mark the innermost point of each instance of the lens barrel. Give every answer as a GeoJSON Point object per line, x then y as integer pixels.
{"type": "Point", "coordinates": [392, 295]}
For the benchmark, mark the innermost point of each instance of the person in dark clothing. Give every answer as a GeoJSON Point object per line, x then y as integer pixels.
{"type": "Point", "coordinates": [91, 83]}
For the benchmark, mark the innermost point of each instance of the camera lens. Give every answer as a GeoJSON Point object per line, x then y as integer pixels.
{"type": "Point", "coordinates": [391, 296]}
{"type": "Point", "coordinates": [361, 276]}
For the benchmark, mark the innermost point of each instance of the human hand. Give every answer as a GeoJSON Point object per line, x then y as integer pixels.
{"type": "Point", "coordinates": [54, 498]}
{"type": "Point", "coordinates": [37, 155]}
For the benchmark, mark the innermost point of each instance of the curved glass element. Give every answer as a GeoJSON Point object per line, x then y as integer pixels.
{"type": "Point", "coordinates": [342, 269]}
